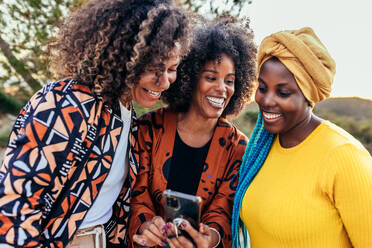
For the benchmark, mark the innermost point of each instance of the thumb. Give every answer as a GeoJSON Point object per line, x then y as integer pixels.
{"type": "Point", "coordinates": [204, 229]}
{"type": "Point", "coordinates": [186, 226]}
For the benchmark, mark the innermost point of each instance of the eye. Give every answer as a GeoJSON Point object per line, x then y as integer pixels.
{"type": "Point", "coordinates": [151, 69]}
{"type": "Point", "coordinates": [172, 69]}
{"type": "Point", "coordinates": [261, 89]}
{"type": "Point", "coordinates": [284, 93]}
{"type": "Point", "coordinates": [230, 81]}
{"type": "Point", "coordinates": [210, 78]}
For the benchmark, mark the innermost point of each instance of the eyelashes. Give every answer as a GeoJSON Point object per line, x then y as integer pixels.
{"type": "Point", "coordinates": [280, 93]}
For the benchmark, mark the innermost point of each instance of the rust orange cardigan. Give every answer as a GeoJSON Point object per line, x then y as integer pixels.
{"type": "Point", "coordinates": [156, 135]}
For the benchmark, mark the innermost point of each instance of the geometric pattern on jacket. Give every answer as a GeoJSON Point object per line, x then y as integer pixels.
{"type": "Point", "coordinates": [60, 151]}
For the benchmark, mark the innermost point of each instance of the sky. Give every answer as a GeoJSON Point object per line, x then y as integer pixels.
{"type": "Point", "coordinates": [344, 27]}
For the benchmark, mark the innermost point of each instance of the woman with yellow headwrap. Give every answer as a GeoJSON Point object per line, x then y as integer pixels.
{"type": "Point", "coordinates": [304, 182]}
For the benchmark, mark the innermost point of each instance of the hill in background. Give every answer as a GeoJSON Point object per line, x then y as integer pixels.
{"type": "Point", "coordinates": [354, 107]}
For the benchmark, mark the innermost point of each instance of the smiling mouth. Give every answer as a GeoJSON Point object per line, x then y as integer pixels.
{"type": "Point", "coordinates": [153, 93]}
{"type": "Point", "coordinates": [216, 101]}
{"type": "Point", "coordinates": [271, 116]}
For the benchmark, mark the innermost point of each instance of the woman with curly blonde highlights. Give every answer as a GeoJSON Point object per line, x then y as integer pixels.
{"type": "Point", "coordinates": [190, 147]}
{"type": "Point", "coordinates": [69, 170]}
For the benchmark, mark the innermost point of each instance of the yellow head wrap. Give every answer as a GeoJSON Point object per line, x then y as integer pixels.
{"type": "Point", "coordinates": [306, 57]}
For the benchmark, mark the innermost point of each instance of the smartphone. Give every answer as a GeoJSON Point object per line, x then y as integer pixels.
{"type": "Point", "coordinates": [180, 205]}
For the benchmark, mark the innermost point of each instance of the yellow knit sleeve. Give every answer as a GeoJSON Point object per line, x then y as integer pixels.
{"type": "Point", "coordinates": [352, 191]}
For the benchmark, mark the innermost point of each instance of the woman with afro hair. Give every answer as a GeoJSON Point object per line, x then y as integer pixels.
{"type": "Point", "coordinates": [189, 146]}
{"type": "Point", "coordinates": [69, 169]}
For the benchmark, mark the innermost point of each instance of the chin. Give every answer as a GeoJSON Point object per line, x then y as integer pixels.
{"type": "Point", "coordinates": [271, 128]}
{"type": "Point", "coordinates": [214, 115]}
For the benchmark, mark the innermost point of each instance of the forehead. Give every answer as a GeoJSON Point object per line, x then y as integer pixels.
{"type": "Point", "coordinates": [172, 60]}
{"type": "Point", "coordinates": [274, 70]}
{"type": "Point", "coordinates": [221, 61]}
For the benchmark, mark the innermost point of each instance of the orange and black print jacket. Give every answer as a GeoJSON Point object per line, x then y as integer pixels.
{"type": "Point", "coordinates": [59, 153]}
{"type": "Point", "coordinates": [156, 135]}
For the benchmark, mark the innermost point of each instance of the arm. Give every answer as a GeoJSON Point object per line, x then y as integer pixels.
{"type": "Point", "coordinates": [32, 157]}
{"type": "Point", "coordinates": [218, 214]}
{"type": "Point", "coordinates": [142, 207]}
{"type": "Point", "coordinates": [352, 186]}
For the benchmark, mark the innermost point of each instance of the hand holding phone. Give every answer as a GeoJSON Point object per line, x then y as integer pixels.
{"type": "Point", "coordinates": [178, 206]}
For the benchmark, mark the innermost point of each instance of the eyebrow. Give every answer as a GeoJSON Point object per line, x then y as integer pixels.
{"type": "Point", "coordinates": [279, 85]}
{"type": "Point", "coordinates": [210, 70]}
{"type": "Point", "coordinates": [214, 71]}
{"type": "Point", "coordinates": [261, 80]}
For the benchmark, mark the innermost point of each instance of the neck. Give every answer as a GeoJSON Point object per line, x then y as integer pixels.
{"type": "Point", "coordinates": [126, 104]}
{"type": "Point", "coordinates": [194, 130]}
{"type": "Point", "coordinates": [300, 132]}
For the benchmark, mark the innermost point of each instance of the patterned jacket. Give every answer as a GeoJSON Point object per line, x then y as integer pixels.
{"type": "Point", "coordinates": [156, 135]}
{"type": "Point", "coordinates": [59, 154]}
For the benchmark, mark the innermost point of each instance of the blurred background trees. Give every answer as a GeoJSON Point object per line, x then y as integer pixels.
{"type": "Point", "coordinates": [26, 27]}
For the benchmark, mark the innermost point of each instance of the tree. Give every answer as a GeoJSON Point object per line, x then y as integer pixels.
{"type": "Point", "coordinates": [26, 27]}
{"type": "Point", "coordinates": [213, 7]}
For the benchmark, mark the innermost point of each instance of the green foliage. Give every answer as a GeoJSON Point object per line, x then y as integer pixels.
{"type": "Point", "coordinates": [4, 137]}
{"type": "Point", "coordinates": [30, 24]}
{"type": "Point", "coordinates": [251, 116]}
{"type": "Point", "coordinates": [141, 110]}
{"type": "Point", "coordinates": [26, 27]}
{"type": "Point", "coordinates": [9, 104]}
{"type": "Point", "coordinates": [211, 8]}
{"type": "Point", "coordinates": [246, 121]}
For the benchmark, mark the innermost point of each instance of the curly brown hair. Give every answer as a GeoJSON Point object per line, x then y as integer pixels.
{"type": "Point", "coordinates": [107, 44]}
{"type": "Point", "coordinates": [227, 35]}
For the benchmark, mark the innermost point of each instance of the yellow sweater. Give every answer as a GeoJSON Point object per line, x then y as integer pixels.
{"type": "Point", "coordinates": [316, 194]}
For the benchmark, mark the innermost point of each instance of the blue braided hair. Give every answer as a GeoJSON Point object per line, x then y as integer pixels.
{"type": "Point", "coordinates": [254, 156]}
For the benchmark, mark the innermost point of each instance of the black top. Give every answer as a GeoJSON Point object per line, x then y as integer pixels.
{"type": "Point", "coordinates": [186, 166]}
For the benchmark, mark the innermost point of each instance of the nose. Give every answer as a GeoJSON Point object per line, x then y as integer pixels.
{"type": "Point", "coordinates": [164, 81]}
{"type": "Point", "coordinates": [220, 86]}
{"type": "Point", "coordinates": [266, 100]}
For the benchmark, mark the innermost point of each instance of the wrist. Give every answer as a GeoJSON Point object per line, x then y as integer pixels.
{"type": "Point", "coordinates": [216, 237]}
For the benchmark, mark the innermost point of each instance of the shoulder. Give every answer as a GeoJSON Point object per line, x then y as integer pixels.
{"type": "Point", "coordinates": [158, 118]}
{"type": "Point", "coordinates": [63, 90]}
{"type": "Point", "coordinates": [65, 100]}
{"type": "Point", "coordinates": [153, 114]}
{"type": "Point", "coordinates": [336, 138]}
{"type": "Point", "coordinates": [233, 133]}
{"type": "Point", "coordinates": [345, 153]}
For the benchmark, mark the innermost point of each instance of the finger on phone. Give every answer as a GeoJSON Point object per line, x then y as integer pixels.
{"type": "Point", "coordinates": [175, 242]}
{"type": "Point", "coordinates": [156, 231]}
{"type": "Point", "coordinates": [140, 240]}
{"type": "Point", "coordinates": [185, 225]}
{"type": "Point", "coordinates": [150, 236]}
{"type": "Point", "coordinates": [171, 230]}
{"type": "Point", "coordinates": [159, 222]}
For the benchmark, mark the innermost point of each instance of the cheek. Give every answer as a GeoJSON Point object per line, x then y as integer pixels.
{"type": "Point", "coordinates": [146, 79]}
{"type": "Point", "coordinates": [231, 91]}
{"type": "Point", "coordinates": [172, 77]}
{"type": "Point", "coordinates": [257, 96]}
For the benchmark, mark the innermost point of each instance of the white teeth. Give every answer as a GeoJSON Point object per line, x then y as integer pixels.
{"type": "Point", "coordinates": [153, 93]}
{"type": "Point", "coordinates": [270, 115]}
{"type": "Point", "coordinates": [219, 101]}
